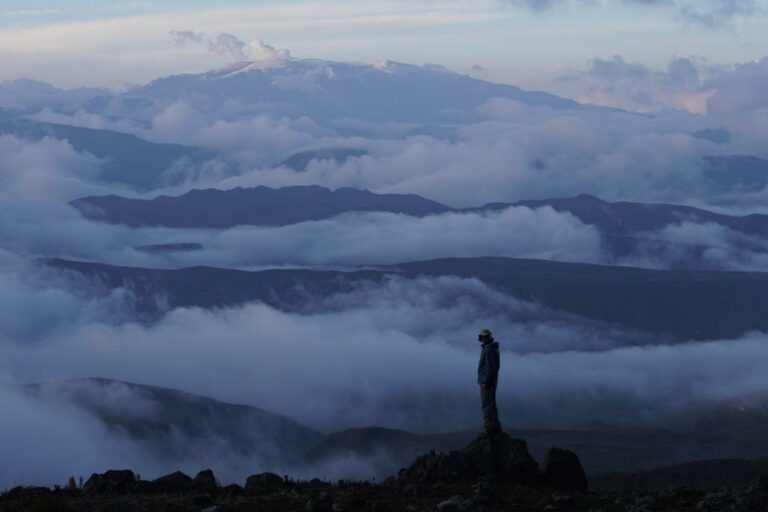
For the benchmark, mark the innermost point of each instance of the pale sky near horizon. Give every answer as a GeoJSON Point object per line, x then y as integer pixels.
{"type": "Point", "coordinates": [525, 42]}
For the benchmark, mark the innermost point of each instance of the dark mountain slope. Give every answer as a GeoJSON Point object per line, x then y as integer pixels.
{"type": "Point", "coordinates": [260, 205]}
{"type": "Point", "coordinates": [601, 450]}
{"type": "Point", "coordinates": [684, 304]}
{"type": "Point", "coordinates": [209, 287]}
{"type": "Point", "coordinates": [175, 424]}
{"type": "Point", "coordinates": [703, 475]}
{"type": "Point", "coordinates": [289, 205]}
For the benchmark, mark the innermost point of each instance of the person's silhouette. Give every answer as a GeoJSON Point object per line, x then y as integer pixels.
{"type": "Point", "coordinates": [488, 379]}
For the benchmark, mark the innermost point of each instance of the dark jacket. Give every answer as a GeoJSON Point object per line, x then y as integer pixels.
{"type": "Point", "coordinates": [488, 367]}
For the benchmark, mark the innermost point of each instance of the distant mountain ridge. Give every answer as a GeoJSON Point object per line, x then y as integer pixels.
{"type": "Point", "coordinates": [212, 208]}
{"type": "Point", "coordinates": [326, 90]}
{"type": "Point", "coordinates": [679, 305]}
{"type": "Point", "coordinates": [288, 205]}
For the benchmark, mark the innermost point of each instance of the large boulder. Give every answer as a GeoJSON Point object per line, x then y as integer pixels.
{"type": "Point", "coordinates": [205, 481]}
{"type": "Point", "coordinates": [232, 490]}
{"type": "Point", "coordinates": [562, 468]}
{"type": "Point", "coordinates": [112, 482]}
{"type": "Point", "coordinates": [172, 483]}
{"type": "Point", "coordinates": [497, 455]}
{"type": "Point", "coordinates": [263, 483]}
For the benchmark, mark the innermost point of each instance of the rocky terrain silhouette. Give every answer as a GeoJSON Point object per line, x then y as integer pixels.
{"type": "Point", "coordinates": [492, 473]}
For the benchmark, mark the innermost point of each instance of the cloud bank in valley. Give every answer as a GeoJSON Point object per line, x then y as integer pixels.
{"type": "Point", "coordinates": [333, 368]}
{"type": "Point", "coordinates": [522, 152]}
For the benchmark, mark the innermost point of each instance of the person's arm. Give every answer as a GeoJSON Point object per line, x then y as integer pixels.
{"type": "Point", "coordinates": [495, 362]}
{"type": "Point", "coordinates": [491, 367]}
{"type": "Point", "coordinates": [488, 368]}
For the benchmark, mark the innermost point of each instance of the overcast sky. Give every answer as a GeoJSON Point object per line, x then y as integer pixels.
{"type": "Point", "coordinates": [530, 43]}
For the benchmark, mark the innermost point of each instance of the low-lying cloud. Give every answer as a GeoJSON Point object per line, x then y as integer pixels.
{"type": "Point", "coordinates": [184, 37]}
{"type": "Point", "coordinates": [381, 238]}
{"type": "Point", "coordinates": [53, 441]}
{"type": "Point", "coordinates": [48, 169]}
{"type": "Point", "coordinates": [506, 160]}
{"type": "Point", "coordinates": [514, 151]}
{"type": "Point", "coordinates": [346, 352]}
{"type": "Point", "coordinates": [707, 245]}
{"type": "Point", "coordinates": [402, 353]}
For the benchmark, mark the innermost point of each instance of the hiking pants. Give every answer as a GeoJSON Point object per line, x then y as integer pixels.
{"type": "Point", "coordinates": [488, 405]}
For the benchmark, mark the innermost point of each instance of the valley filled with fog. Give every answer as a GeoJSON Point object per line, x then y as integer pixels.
{"type": "Point", "coordinates": [208, 233]}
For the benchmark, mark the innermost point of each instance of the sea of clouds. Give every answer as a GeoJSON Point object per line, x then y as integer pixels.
{"type": "Point", "coordinates": [401, 354]}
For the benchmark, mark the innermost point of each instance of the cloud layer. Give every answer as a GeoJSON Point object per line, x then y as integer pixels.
{"type": "Point", "coordinates": [400, 354]}
{"type": "Point", "coordinates": [345, 353]}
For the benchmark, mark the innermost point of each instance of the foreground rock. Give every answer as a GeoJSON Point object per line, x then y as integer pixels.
{"type": "Point", "coordinates": [264, 483]}
{"type": "Point", "coordinates": [497, 456]}
{"type": "Point", "coordinates": [491, 474]}
{"type": "Point", "coordinates": [562, 469]}
{"type": "Point", "coordinates": [111, 482]}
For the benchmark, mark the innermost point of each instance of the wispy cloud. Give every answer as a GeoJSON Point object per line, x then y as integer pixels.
{"type": "Point", "coordinates": [182, 37]}
{"type": "Point", "coordinates": [718, 14]}
{"type": "Point", "coordinates": [32, 12]}
{"type": "Point", "coordinates": [711, 14]}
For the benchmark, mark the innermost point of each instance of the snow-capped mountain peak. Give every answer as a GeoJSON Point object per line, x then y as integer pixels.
{"type": "Point", "coordinates": [324, 90]}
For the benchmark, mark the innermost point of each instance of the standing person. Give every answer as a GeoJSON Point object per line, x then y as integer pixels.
{"type": "Point", "coordinates": [488, 378]}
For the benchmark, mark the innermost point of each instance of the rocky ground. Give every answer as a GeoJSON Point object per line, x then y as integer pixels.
{"type": "Point", "coordinates": [493, 473]}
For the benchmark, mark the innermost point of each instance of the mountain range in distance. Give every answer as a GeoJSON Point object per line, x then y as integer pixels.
{"type": "Point", "coordinates": [672, 305]}
{"type": "Point", "coordinates": [327, 91]}
{"type": "Point", "coordinates": [628, 228]}
{"type": "Point", "coordinates": [212, 208]}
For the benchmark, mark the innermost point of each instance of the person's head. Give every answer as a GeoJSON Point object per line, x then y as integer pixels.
{"type": "Point", "coordinates": [485, 337]}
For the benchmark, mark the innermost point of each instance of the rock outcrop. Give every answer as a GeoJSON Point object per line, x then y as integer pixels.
{"type": "Point", "coordinates": [491, 474]}
{"type": "Point", "coordinates": [111, 482]}
{"type": "Point", "coordinates": [562, 469]}
{"type": "Point", "coordinates": [263, 483]}
{"type": "Point", "coordinates": [497, 456]}
{"type": "Point", "coordinates": [174, 482]}
{"type": "Point", "coordinates": [205, 481]}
